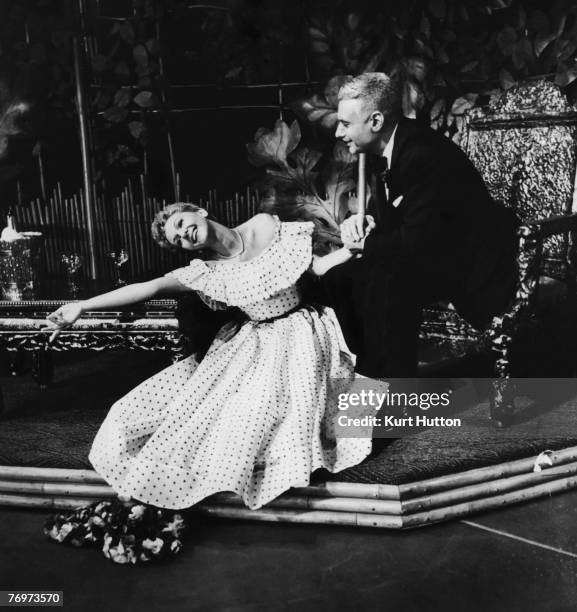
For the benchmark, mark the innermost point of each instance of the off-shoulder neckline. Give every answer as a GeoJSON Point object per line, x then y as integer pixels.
{"type": "Point", "coordinates": [219, 263]}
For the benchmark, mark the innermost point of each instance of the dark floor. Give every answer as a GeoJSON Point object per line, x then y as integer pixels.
{"type": "Point", "coordinates": [519, 558]}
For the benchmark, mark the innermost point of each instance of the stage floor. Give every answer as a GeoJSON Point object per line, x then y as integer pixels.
{"type": "Point", "coordinates": [53, 429]}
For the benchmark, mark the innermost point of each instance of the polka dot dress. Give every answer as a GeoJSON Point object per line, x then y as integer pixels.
{"type": "Point", "coordinates": [254, 417]}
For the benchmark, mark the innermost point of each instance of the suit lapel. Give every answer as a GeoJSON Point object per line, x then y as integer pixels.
{"type": "Point", "coordinates": [405, 129]}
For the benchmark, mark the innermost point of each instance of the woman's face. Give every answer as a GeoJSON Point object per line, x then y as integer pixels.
{"type": "Point", "coordinates": [187, 230]}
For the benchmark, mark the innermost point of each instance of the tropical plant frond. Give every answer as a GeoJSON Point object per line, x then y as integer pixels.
{"type": "Point", "coordinates": [274, 146]}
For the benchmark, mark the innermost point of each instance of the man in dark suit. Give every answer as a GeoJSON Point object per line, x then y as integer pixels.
{"type": "Point", "coordinates": [434, 233]}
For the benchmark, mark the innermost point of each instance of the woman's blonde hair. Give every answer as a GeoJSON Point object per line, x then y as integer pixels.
{"type": "Point", "coordinates": [159, 222]}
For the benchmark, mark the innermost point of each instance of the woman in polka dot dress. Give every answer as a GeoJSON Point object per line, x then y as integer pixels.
{"type": "Point", "coordinates": [256, 416]}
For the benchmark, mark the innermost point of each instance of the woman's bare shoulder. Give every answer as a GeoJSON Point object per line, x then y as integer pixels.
{"type": "Point", "coordinates": [261, 223]}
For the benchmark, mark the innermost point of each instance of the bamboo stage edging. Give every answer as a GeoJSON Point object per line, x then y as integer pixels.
{"type": "Point", "coordinates": [478, 475]}
{"type": "Point", "coordinates": [56, 488]}
{"type": "Point", "coordinates": [43, 501]}
{"type": "Point", "coordinates": [419, 519]}
{"type": "Point", "coordinates": [54, 499]}
{"type": "Point", "coordinates": [322, 517]}
{"type": "Point", "coordinates": [302, 502]}
{"type": "Point", "coordinates": [404, 492]}
{"type": "Point", "coordinates": [438, 515]}
{"type": "Point", "coordinates": [34, 485]}
{"type": "Point", "coordinates": [489, 488]}
{"type": "Point", "coordinates": [8, 472]}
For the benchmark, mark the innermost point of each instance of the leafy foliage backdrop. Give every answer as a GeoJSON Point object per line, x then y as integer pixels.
{"type": "Point", "coordinates": [177, 85]}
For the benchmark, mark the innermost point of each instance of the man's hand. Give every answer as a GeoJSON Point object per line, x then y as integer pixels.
{"type": "Point", "coordinates": [62, 318]}
{"type": "Point", "coordinates": [352, 235]}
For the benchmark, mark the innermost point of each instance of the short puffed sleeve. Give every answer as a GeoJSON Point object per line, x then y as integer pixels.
{"type": "Point", "coordinates": [242, 283]}
{"type": "Point", "coordinates": [191, 276]}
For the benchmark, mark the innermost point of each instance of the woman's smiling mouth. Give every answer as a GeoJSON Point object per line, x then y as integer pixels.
{"type": "Point", "coordinates": [192, 233]}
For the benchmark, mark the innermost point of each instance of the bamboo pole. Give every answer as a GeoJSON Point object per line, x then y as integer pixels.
{"type": "Point", "coordinates": [43, 501]}
{"type": "Point", "coordinates": [169, 142]}
{"type": "Point", "coordinates": [32, 487]}
{"type": "Point", "coordinates": [304, 502]}
{"type": "Point", "coordinates": [51, 242]}
{"type": "Point", "coordinates": [564, 461]}
{"type": "Point", "coordinates": [86, 168]}
{"type": "Point", "coordinates": [362, 192]}
{"type": "Point", "coordinates": [312, 502]}
{"type": "Point", "coordinates": [82, 217]}
{"type": "Point", "coordinates": [350, 489]}
{"type": "Point", "coordinates": [41, 173]}
{"type": "Point", "coordinates": [492, 472]}
{"type": "Point", "coordinates": [491, 503]}
{"type": "Point", "coordinates": [322, 517]}
{"type": "Point", "coordinates": [8, 472]}
{"type": "Point", "coordinates": [489, 488]}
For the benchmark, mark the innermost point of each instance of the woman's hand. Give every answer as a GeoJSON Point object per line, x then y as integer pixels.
{"type": "Point", "coordinates": [62, 318]}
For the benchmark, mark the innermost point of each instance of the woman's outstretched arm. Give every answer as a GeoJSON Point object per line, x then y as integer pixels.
{"type": "Point", "coordinates": [322, 264]}
{"type": "Point", "coordinates": [67, 314]}
{"type": "Point", "coordinates": [132, 294]}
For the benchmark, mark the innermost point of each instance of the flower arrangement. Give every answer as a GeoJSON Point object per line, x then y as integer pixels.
{"type": "Point", "coordinates": [126, 533]}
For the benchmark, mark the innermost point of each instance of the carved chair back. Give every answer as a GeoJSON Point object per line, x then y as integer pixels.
{"type": "Point", "coordinates": [525, 146]}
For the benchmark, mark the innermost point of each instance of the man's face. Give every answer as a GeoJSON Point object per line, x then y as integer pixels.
{"type": "Point", "coordinates": [356, 126]}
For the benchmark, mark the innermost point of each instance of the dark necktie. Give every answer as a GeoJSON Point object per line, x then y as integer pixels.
{"type": "Point", "coordinates": [381, 166]}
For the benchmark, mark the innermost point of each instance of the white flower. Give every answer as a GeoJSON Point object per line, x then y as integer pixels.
{"type": "Point", "coordinates": [64, 531]}
{"type": "Point", "coordinates": [97, 521]}
{"type": "Point", "coordinates": [175, 546]}
{"type": "Point", "coordinates": [175, 526]}
{"type": "Point", "coordinates": [136, 512]}
{"type": "Point", "coordinates": [117, 553]}
{"type": "Point", "coordinates": [154, 546]}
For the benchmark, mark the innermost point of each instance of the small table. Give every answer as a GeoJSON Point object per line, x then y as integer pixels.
{"type": "Point", "coordinates": [150, 326]}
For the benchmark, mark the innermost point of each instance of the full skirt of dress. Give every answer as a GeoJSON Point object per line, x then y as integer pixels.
{"type": "Point", "coordinates": [255, 417]}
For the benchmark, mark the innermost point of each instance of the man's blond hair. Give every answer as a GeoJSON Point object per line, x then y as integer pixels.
{"type": "Point", "coordinates": [378, 92]}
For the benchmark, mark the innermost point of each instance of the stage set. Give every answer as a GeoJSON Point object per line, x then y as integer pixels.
{"type": "Point", "coordinates": [140, 124]}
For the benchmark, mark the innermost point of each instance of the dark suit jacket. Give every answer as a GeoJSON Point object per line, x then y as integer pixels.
{"type": "Point", "coordinates": [447, 227]}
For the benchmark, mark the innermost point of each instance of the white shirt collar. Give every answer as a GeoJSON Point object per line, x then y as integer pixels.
{"type": "Point", "coordinates": [388, 152]}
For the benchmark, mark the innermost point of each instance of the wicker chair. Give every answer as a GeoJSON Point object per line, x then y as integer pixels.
{"type": "Point", "coordinates": [525, 147]}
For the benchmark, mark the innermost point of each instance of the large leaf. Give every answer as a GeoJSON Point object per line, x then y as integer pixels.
{"type": "Point", "coordinates": [140, 55]}
{"type": "Point", "coordinates": [339, 181]}
{"type": "Point", "coordinates": [273, 146]}
{"type": "Point", "coordinates": [290, 206]}
{"type": "Point", "coordinates": [321, 109]}
{"type": "Point", "coordinates": [523, 53]}
{"type": "Point", "coordinates": [115, 114]}
{"type": "Point", "coordinates": [137, 130]}
{"type": "Point", "coordinates": [146, 99]}
{"type": "Point", "coordinates": [506, 79]}
{"type": "Point", "coordinates": [506, 39]}
{"type": "Point", "coordinates": [305, 159]}
{"type": "Point", "coordinates": [316, 110]}
{"type": "Point", "coordinates": [463, 104]}
{"type": "Point", "coordinates": [566, 73]}
{"type": "Point", "coordinates": [123, 97]}
{"type": "Point", "coordinates": [9, 124]}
